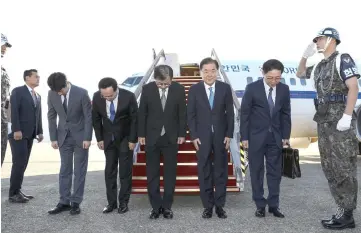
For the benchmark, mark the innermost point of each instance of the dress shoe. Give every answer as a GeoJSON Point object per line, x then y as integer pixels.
{"type": "Point", "coordinates": [154, 214]}
{"type": "Point", "coordinates": [220, 212]}
{"type": "Point", "coordinates": [75, 209]}
{"type": "Point", "coordinates": [59, 208]}
{"type": "Point", "coordinates": [109, 208]}
{"type": "Point", "coordinates": [27, 196]}
{"type": "Point", "coordinates": [260, 212]}
{"type": "Point", "coordinates": [168, 213]}
{"type": "Point", "coordinates": [123, 209]}
{"type": "Point", "coordinates": [18, 198]}
{"type": "Point", "coordinates": [276, 212]}
{"type": "Point", "coordinates": [342, 220]}
{"type": "Point", "coordinates": [207, 213]}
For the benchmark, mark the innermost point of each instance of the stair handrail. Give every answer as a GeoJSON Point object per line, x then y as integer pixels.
{"type": "Point", "coordinates": [148, 74]}
{"type": "Point", "coordinates": [147, 77]}
{"type": "Point", "coordinates": [226, 80]}
{"type": "Point", "coordinates": [235, 145]}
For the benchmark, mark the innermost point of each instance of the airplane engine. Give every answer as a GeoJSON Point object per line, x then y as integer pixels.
{"type": "Point", "coordinates": [300, 142]}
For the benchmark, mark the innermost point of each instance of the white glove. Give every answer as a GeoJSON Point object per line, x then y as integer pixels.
{"type": "Point", "coordinates": [310, 50]}
{"type": "Point", "coordinates": [344, 123]}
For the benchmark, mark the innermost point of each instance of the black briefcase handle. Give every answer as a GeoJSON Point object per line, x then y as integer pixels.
{"type": "Point", "coordinates": [288, 145]}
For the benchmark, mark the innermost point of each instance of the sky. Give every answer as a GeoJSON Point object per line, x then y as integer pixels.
{"type": "Point", "coordinates": [89, 40]}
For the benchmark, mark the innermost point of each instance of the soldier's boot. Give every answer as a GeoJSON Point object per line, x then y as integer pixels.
{"type": "Point", "coordinates": [342, 220]}
{"type": "Point", "coordinates": [339, 210]}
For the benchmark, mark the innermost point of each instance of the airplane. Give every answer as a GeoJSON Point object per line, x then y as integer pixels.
{"type": "Point", "coordinates": [242, 72]}
{"type": "Point", "coordinates": [131, 82]}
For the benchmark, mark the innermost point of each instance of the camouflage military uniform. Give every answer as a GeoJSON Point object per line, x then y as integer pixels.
{"type": "Point", "coordinates": [5, 86]}
{"type": "Point", "coordinates": [338, 149]}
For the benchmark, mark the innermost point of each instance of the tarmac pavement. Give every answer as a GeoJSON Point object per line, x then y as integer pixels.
{"type": "Point", "coordinates": [304, 201]}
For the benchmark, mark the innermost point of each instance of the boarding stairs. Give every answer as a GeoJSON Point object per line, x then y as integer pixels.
{"type": "Point", "coordinates": [187, 174]}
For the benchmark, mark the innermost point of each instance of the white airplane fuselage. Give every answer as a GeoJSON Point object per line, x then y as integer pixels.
{"type": "Point", "coordinates": [304, 129]}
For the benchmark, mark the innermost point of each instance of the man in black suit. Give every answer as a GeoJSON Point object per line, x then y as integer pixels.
{"type": "Point", "coordinates": [211, 124]}
{"type": "Point", "coordinates": [265, 128]}
{"type": "Point", "coordinates": [162, 127]}
{"type": "Point", "coordinates": [26, 125]}
{"type": "Point", "coordinates": [114, 122]}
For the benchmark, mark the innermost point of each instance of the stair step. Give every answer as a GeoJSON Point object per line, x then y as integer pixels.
{"type": "Point", "coordinates": [183, 157]}
{"type": "Point", "coordinates": [187, 146]}
{"type": "Point", "coordinates": [180, 152]}
{"type": "Point", "coordinates": [183, 169]}
{"type": "Point", "coordinates": [188, 181]}
{"type": "Point", "coordinates": [182, 190]}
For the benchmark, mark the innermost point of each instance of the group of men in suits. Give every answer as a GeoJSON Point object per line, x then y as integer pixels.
{"type": "Point", "coordinates": [159, 124]}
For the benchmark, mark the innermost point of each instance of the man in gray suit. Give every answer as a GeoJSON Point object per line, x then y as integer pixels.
{"type": "Point", "coordinates": [72, 136]}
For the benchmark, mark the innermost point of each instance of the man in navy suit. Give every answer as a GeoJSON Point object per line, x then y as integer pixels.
{"type": "Point", "coordinates": [211, 125]}
{"type": "Point", "coordinates": [265, 129]}
{"type": "Point", "coordinates": [26, 125]}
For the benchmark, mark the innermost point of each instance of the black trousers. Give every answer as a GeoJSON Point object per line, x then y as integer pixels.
{"type": "Point", "coordinates": [169, 152]}
{"type": "Point", "coordinates": [212, 172]}
{"type": "Point", "coordinates": [118, 153]}
{"type": "Point", "coordinates": [21, 150]}
{"type": "Point", "coordinates": [273, 154]}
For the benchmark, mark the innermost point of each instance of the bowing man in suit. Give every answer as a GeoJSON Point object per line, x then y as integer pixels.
{"type": "Point", "coordinates": [114, 122]}
{"type": "Point", "coordinates": [162, 127]}
{"type": "Point", "coordinates": [211, 124]}
{"type": "Point", "coordinates": [26, 125]}
{"type": "Point", "coordinates": [72, 136]}
{"type": "Point", "coordinates": [265, 128]}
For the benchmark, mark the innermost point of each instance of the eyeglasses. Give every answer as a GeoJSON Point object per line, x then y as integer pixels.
{"type": "Point", "coordinates": [161, 84]}
{"type": "Point", "coordinates": [273, 78]}
{"type": "Point", "coordinates": [209, 71]}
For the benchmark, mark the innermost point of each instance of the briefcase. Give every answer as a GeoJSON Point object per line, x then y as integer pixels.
{"type": "Point", "coordinates": [291, 163]}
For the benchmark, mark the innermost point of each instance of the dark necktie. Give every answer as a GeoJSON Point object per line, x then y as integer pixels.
{"type": "Point", "coordinates": [270, 101]}
{"type": "Point", "coordinates": [112, 111]}
{"type": "Point", "coordinates": [33, 94]}
{"type": "Point", "coordinates": [112, 114]}
{"type": "Point", "coordinates": [163, 99]}
{"type": "Point", "coordinates": [65, 104]}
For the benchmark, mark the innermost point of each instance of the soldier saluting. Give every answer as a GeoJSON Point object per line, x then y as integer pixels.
{"type": "Point", "coordinates": [335, 79]}
{"type": "Point", "coordinates": [5, 90]}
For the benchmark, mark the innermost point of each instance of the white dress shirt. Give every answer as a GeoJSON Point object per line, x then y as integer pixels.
{"type": "Point", "coordinates": [266, 87]}
{"type": "Point", "coordinates": [31, 92]}
{"type": "Point", "coordinates": [67, 97]}
{"type": "Point", "coordinates": [115, 103]}
{"type": "Point", "coordinates": [206, 86]}
{"type": "Point", "coordinates": [161, 92]}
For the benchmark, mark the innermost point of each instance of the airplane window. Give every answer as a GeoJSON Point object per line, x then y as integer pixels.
{"type": "Point", "coordinates": [249, 80]}
{"type": "Point", "coordinates": [293, 81]}
{"type": "Point", "coordinates": [283, 80]}
{"type": "Point", "coordinates": [303, 82]}
{"type": "Point", "coordinates": [129, 81]}
{"type": "Point", "coordinates": [137, 81]}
